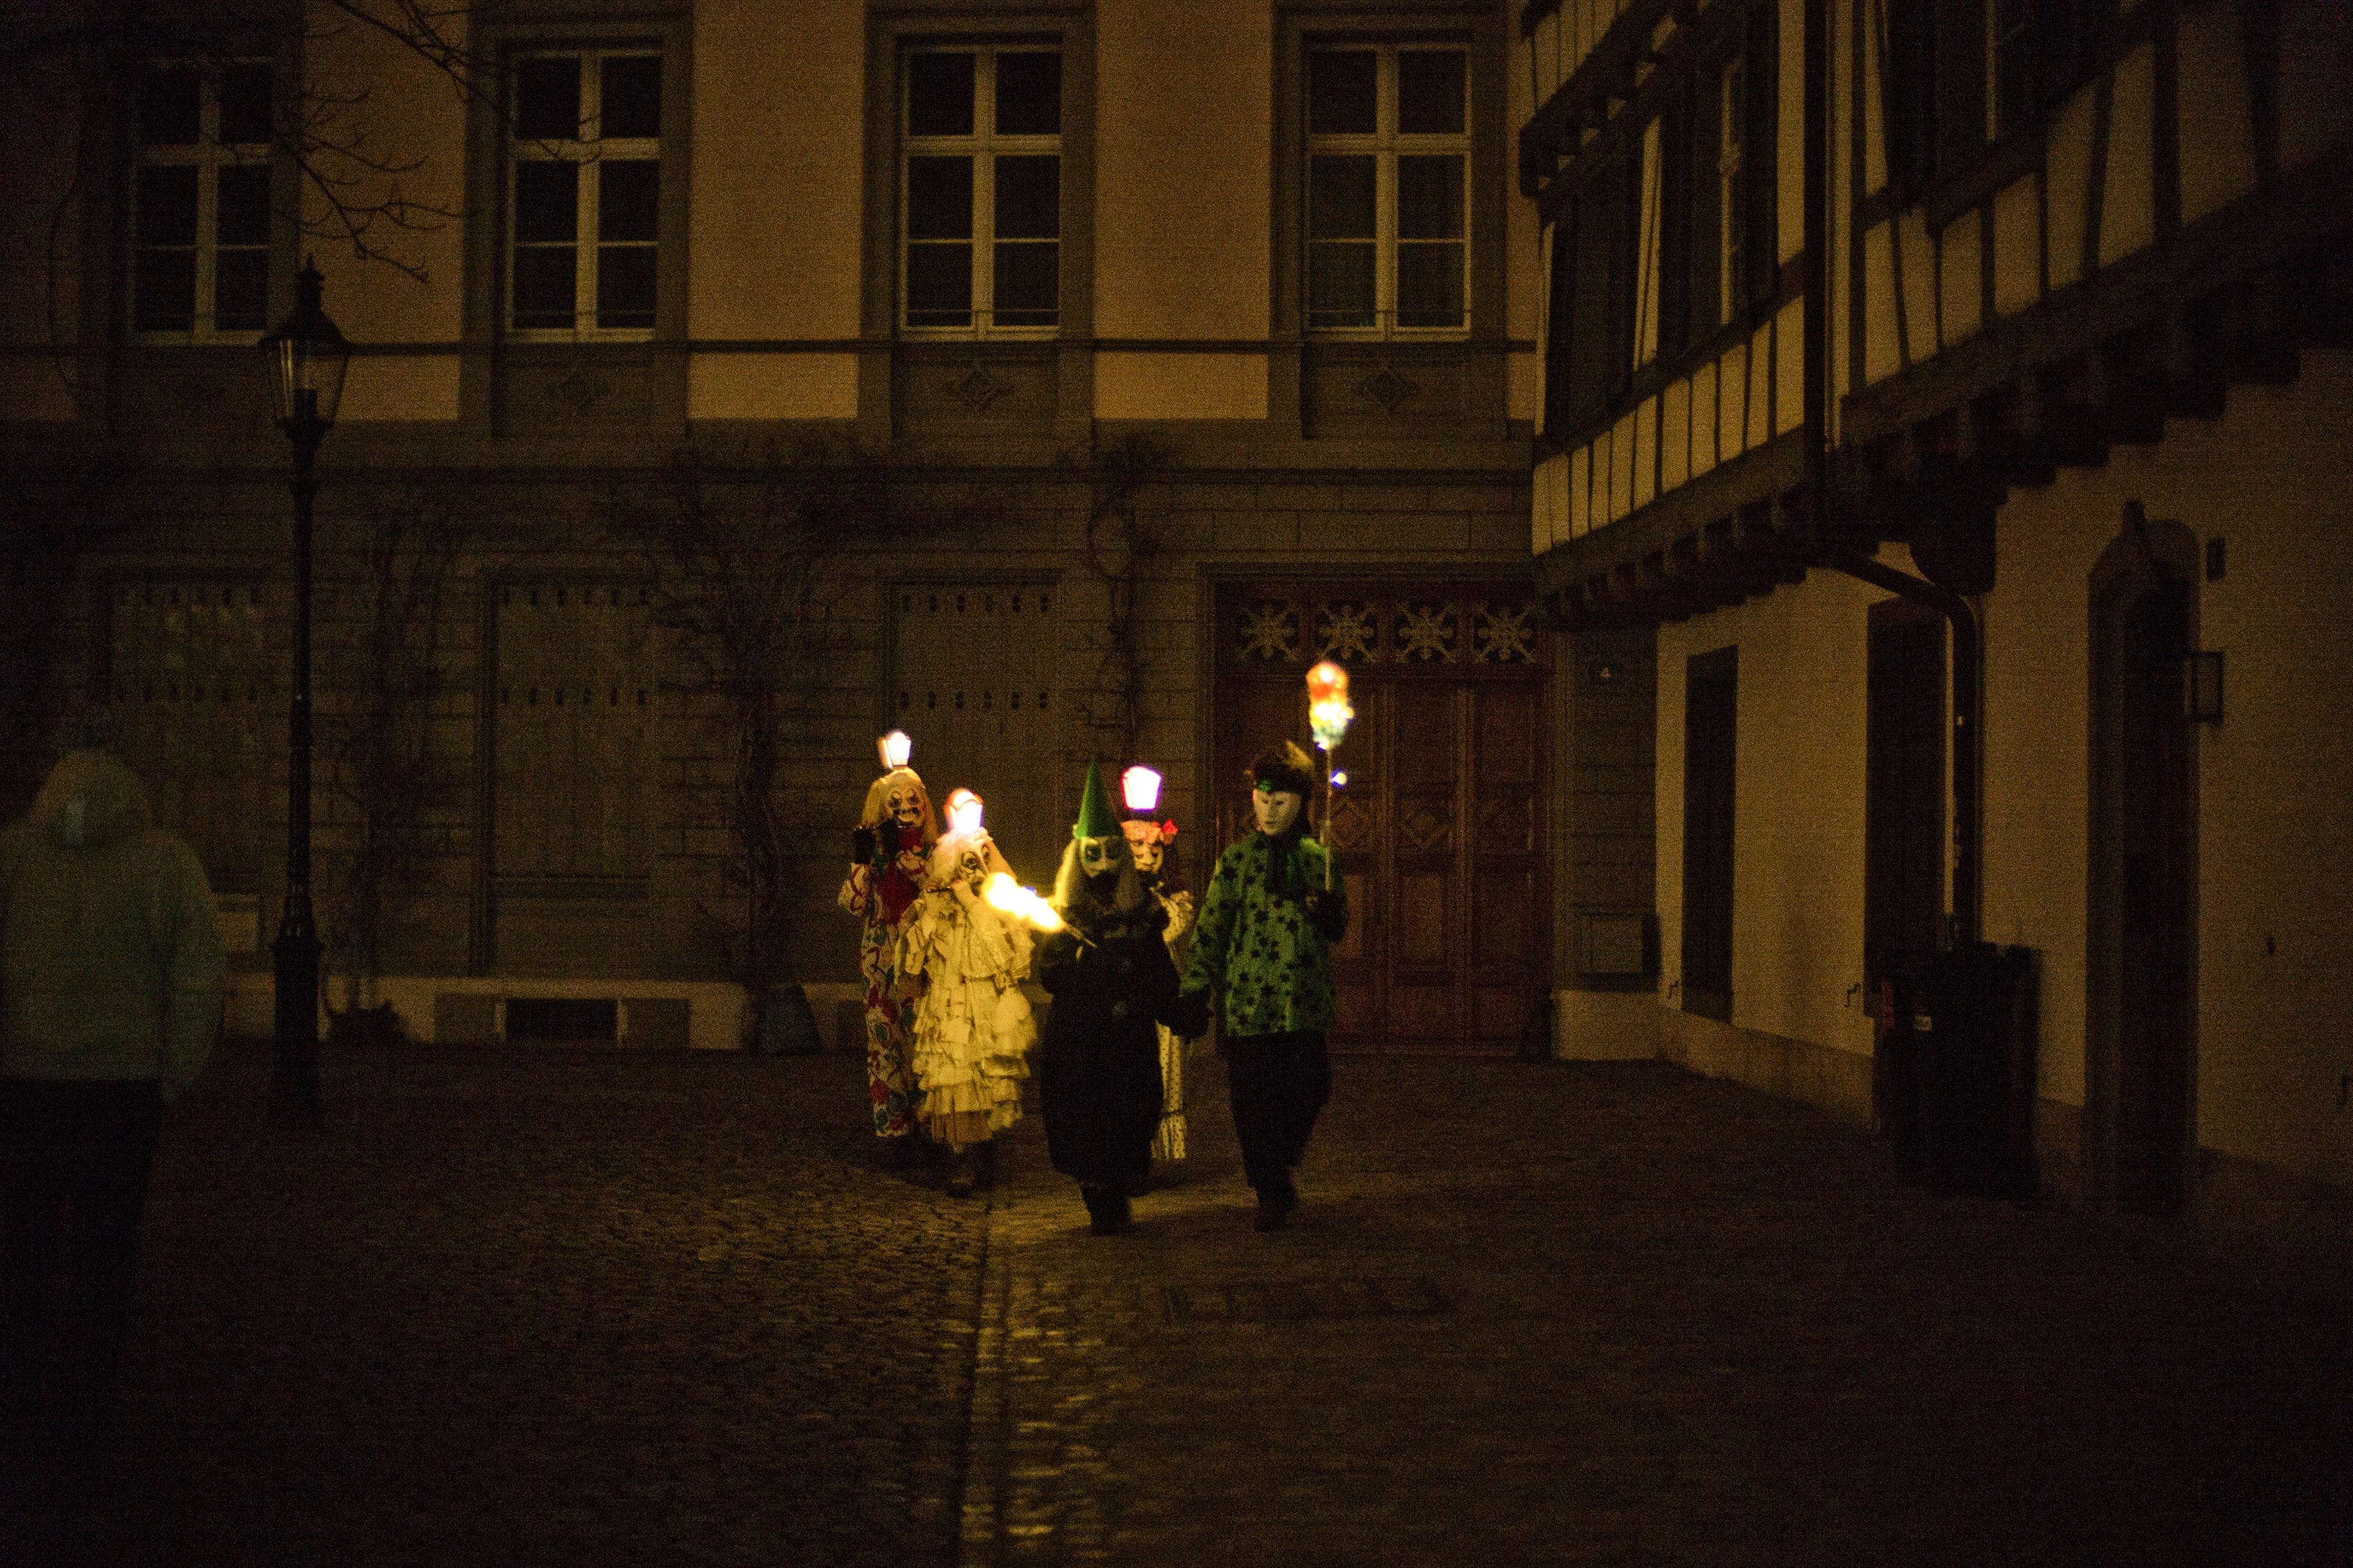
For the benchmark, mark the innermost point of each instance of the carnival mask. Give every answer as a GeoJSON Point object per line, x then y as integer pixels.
{"type": "Point", "coordinates": [1143, 844]}
{"type": "Point", "coordinates": [906, 807]}
{"type": "Point", "coordinates": [1276, 810]}
{"type": "Point", "coordinates": [1098, 860]}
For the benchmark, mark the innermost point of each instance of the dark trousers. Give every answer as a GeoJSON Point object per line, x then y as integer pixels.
{"type": "Point", "coordinates": [1277, 1083]}
{"type": "Point", "coordinates": [74, 1160]}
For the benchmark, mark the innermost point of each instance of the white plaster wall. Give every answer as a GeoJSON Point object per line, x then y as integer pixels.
{"type": "Point", "coordinates": [2275, 808]}
{"type": "Point", "coordinates": [1798, 844]}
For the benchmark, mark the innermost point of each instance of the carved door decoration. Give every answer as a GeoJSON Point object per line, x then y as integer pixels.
{"type": "Point", "coordinates": [572, 766]}
{"type": "Point", "coordinates": [200, 715]}
{"type": "Point", "coordinates": [974, 667]}
{"type": "Point", "coordinates": [1440, 829]}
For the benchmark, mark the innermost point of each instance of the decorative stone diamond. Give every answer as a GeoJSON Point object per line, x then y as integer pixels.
{"type": "Point", "coordinates": [1388, 388]}
{"type": "Point", "coordinates": [978, 389]}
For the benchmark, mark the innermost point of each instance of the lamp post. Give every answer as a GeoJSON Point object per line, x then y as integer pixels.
{"type": "Point", "coordinates": [307, 360]}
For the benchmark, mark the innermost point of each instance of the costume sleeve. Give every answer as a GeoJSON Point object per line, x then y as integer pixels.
{"type": "Point", "coordinates": [1057, 960]}
{"type": "Point", "coordinates": [1205, 967]}
{"type": "Point", "coordinates": [1330, 908]}
{"type": "Point", "coordinates": [196, 977]}
{"type": "Point", "coordinates": [853, 898]}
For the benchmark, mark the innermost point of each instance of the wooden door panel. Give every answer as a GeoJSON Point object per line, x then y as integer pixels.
{"type": "Point", "coordinates": [1503, 916]}
{"type": "Point", "coordinates": [1424, 1015]}
{"type": "Point", "coordinates": [1504, 1016]}
{"type": "Point", "coordinates": [1422, 923]}
{"type": "Point", "coordinates": [1506, 735]}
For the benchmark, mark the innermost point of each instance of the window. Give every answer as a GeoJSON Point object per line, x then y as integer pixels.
{"type": "Point", "coordinates": [1389, 213]}
{"type": "Point", "coordinates": [584, 193]}
{"type": "Point", "coordinates": [200, 201]}
{"type": "Point", "coordinates": [981, 188]}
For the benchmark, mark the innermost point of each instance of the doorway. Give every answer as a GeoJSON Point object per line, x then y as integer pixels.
{"type": "Point", "coordinates": [1439, 830]}
{"type": "Point", "coordinates": [1904, 790]}
{"type": "Point", "coordinates": [1711, 727]}
{"type": "Point", "coordinates": [2139, 1116]}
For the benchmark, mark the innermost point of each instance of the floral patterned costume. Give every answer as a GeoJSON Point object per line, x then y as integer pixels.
{"type": "Point", "coordinates": [883, 894]}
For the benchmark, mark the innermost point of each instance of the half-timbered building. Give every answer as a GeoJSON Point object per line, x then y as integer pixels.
{"type": "Point", "coordinates": [1941, 470]}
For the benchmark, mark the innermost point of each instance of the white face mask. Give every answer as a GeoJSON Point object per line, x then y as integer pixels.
{"type": "Point", "coordinates": [1277, 809]}
{"type": "Point", "coordinates": [1099, 855]}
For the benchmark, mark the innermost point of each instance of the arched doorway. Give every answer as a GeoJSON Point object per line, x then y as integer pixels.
{"type": "Point", "coordinates": [2141, 953]}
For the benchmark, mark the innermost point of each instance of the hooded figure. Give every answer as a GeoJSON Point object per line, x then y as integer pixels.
{"type": "Point", "coordinates": [110, 985]}
{"type": "Point", "coordinates": [889, 859]}
{"type": "Point", "coordinates": [1113, 984]}
{"type": "Point", "coordinates": [1274, 910]}
{"type": "Point", "coordinates": [972, 1029]}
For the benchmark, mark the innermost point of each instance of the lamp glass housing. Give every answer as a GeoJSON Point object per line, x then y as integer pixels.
{"type": "Point", "coordinates": [308, 355]}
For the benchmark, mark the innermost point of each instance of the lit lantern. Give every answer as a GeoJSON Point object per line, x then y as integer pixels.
{"type": "Point", "coordinates": [963, 812]}
{"type": "Point", "coordinates": [895, 749]}
{"type": "Point", "coordinates": [1328, 713]}
{"type": "Point", "coordinates": [1140, 788]}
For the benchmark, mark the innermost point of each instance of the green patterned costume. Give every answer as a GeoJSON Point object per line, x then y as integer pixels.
{"type": "Point", "coordinates": [1255, 943]}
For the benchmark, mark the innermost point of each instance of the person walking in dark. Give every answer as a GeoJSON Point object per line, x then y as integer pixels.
{"type": "Point", "coordinates": [111, 988]}
{"type": "Point", "coordinates": [1274, 908]}
{"type": "Point", "coordinates": [1114, 984]}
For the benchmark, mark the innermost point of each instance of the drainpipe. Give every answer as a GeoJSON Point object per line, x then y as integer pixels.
{"type": "Point", "coordinates": [1966, 828]}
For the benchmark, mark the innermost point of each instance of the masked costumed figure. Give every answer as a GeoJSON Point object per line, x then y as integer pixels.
{"type": "Point", "coordinates": [973, 1028]}
{"type": "Point", "coordinates": [1150, 831]}
{"type": "Point", "coordinates": [889, 859]}
{"type": "Point", "coordinates": [1274, 908]}
{"type": "Point", "coordinates": [1113, 984]}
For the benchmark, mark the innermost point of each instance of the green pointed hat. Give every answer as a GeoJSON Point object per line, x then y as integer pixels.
{"type": "Point", "coordinates": [1096, 818]}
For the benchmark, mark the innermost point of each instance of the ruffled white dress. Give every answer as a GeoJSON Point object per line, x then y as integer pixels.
{"type": "Point", "coordinates": [972, 1029]}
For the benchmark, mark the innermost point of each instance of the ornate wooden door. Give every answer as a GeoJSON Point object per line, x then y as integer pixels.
{"type": "Point", "coordinates": [1439, 827]}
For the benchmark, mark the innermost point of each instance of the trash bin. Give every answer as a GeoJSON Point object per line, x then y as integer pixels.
{"type": "Point", "coordinates": [1954, 1081]}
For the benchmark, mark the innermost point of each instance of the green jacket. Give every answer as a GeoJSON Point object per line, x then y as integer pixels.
{"type": "Point", "coordinates": [1255, 943]}
{"type": "Point", "coordinates": [110, 961]}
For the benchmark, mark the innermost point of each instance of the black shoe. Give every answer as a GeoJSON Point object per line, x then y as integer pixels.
{"type": "Point", "coordinates": [1107, 1210]}
{"type": "Point", "coordinates": [1273, 1213]}
{"type": "Point", "coordinates": [964, 1175]}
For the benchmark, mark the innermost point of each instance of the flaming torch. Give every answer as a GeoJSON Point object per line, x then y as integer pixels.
{"type": "Point", "coordinates": [1024, 904]}
{"type": "Point", "coordinates": [1329, 714]}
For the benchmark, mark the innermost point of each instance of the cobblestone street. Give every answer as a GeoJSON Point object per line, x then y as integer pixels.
{"type": "Point", "coordinates": [591, 1306]}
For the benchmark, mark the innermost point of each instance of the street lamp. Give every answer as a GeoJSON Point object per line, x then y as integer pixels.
{"type": "Point", "coordinates": [307, 360]}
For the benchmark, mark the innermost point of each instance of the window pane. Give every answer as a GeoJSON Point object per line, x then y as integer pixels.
{"type": "Point", "coordinates": [1029, 197]}
{"type": "Point", "coordinates": [169, 108]}
{"type": "Point", "coordinates": [244, 205]}
{"type": "Point", "coordinates": [939, 285]}
{"type": "Point", "coordinates": [939, 198]}
{"type": "Point", "coordinates": [632, 96]}
{"type": "Point", "coordinates": [245, 104]}
{"type": "Point", "coordinates": [1430, 197]}
{"type": "Point", "coordinates": [240, 291]}
{"type": "Point", "coordinates": [167, 206]}
{"type": "Point", "coordinates": [1431, 92]}
{"type": "Point", "coordinates": [628, 190]}
{"type": "Point", "coordinates": [1342, 93]}
{"type": "Point", "coordinates": [1340, 196]}
{"type": "Point", "coordinates": [545, 286]}
{"type": "Point", "coordinates": [164, 290]}
{"type": "Point", "coordinates": [939, 95]}
{"type": "Point", "coordinates": [547, 100]}
{"type": "Point", "coordinates": [1340, 285]}
{"type": "Point", "coordinates": [1028, 284]}
{"type": "Point", "coordinates": [1028, 94]}
{"type": "Point", "coordinates": [625, 286]}
{"type": "Point", "coordinates": [548, 202]}
{"type": "Point", "coordinates": [1429, 285]}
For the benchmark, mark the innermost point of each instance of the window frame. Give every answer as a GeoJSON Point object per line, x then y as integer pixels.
{"type": "Point", "coordinates": [1386, 145]}
{"type": "Point", "coordinates": [588, 153]}
{"type": "Point", "coordinates": [208, 156]}
{"type": "Point", "coordinates": [984, 145]}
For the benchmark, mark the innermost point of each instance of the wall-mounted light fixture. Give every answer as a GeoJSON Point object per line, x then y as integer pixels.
{"type": "Point", "coordinates": [1605, 672]}
{"type": "Point", "coordinates": [2202, 686]}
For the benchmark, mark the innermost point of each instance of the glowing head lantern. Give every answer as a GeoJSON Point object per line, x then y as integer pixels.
{"type": "Point", "coordinates": [963, 812]}
{"type": "Point", "coordinates": [1328, 713]}
{"type": "Point", "coordinates": [894, 749]}
{"type": "Point", "coordinates": [1140, 788]}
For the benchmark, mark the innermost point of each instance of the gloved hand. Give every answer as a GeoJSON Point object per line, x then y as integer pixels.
{"type": "Point", "coordinates": [862, 846]}
{"type": "Point", "coordinates": [1328, 913]}
{"type": "Point", "coordinates": [1189, 1015]}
